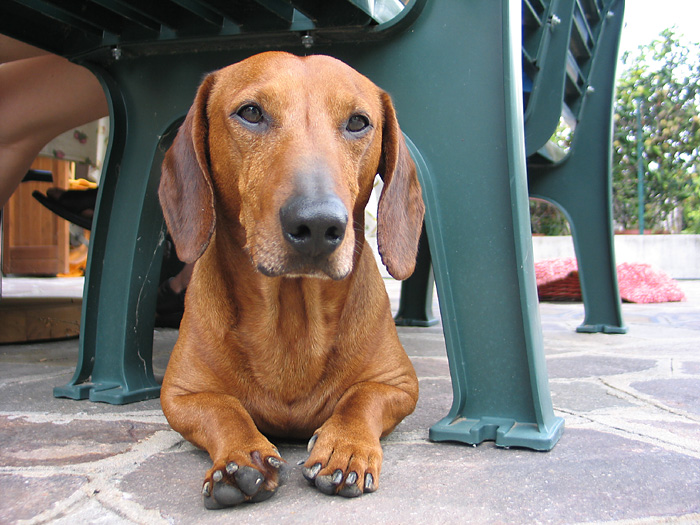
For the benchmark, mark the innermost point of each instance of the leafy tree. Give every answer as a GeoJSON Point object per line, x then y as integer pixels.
{"type": "Point", "coordinates": [547, 219]}
{"type": "Point", "coordinates": [664, 76]}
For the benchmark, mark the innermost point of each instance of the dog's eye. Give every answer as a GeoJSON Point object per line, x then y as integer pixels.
{"type": "Point", "coordinates": [357, 123]}
{"type": "Point", "coordinates": [251, 114]}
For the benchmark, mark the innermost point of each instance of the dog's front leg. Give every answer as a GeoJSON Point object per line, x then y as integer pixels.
{"type": "Point", "coordinates": [246, 466]}
{"type": "Point", "coordinates": [345, 456]}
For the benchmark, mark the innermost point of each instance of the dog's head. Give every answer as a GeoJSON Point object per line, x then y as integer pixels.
{"type": "Point", "coordinates": [281, 152]}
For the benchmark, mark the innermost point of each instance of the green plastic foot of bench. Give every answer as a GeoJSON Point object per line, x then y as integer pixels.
{"type": "Point", "coordinates": [505, 432]}
{"type": "Point", "coordinates": [76, 392]}
{"type": "Point", "coordinates": [400, 321]}
{"type": "Point", "coordinates": [601, 328]}
{"type": "Point", "coordinates": [106, 393]}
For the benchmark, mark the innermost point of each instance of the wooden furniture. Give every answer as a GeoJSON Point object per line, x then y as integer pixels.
{"type": "Point", "coordinates": [35, 240]}
{"type": "Point", "coordinates": [35, 243]}
{"type": "Point", "coordinates": [39, 319]}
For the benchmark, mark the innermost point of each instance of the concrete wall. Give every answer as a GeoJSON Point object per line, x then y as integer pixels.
{"type": "Point", "coordinates": [677, 255]}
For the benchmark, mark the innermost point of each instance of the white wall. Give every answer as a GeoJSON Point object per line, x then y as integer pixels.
{"type": "Point", "coordinates": [677, 255]}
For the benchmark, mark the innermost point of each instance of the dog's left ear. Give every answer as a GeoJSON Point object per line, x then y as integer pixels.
{"type": "Point", "coordinates": [401, 208]}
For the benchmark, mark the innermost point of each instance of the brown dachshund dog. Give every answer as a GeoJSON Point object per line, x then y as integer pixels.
{"type": "Point", "coordinates": [287, 329]}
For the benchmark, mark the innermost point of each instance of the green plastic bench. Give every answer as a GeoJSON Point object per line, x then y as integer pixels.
{"type": "Point", "coordinates": [569, 53]}
{"type": "Point", "coordinates": [453, 68]}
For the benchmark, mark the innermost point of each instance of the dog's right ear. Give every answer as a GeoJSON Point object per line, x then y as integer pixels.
{"type": "Point", "coordinates": [186, 193]}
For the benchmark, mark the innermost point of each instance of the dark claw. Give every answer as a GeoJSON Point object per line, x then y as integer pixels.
{"type": "Point", "coordinates": [337, 477]}
{"type": "Point", "coordinates": [248, 486]}
{"type": "Point", "coordinates": [249, 480]}
{"type": "Point", "coordinates": [311, 473]}
{"type": "Point", "coordinates": [311, 443]}
{"type": "Point", "coordinates": [369, 483]}
{"type": "Point", "coordinates": [226, 495]}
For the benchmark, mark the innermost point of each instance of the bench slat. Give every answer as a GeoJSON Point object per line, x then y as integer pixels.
{"type": "Point", "coordinates": [44, 31]}
{"type": "Point", "coordinates": [63, 15]}
{"type": "Point", "coordinates": [273, 14]}
{"type": "Point", "coordinates": [162, 14]}
{"type": "Point", "coordinates": [202, 11]}
{"type": "Point", "coordinates": [581, 35]}
{"type": "Point", "coordinates": [593, 9]}
{"type": "Point", "coordinates": [93, 14]}
{"type": "Point", "coordinates": [135, 16]}
{"type": "Point", "coordinates": [325, 13]}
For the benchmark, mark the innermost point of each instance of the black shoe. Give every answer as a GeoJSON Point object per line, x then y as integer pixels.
{"type": "Point", "coordinates": [72, 205]}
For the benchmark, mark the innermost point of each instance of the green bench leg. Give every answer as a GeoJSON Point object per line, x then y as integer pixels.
{"type": "Point", "coordinates": [582, 186]}
{"type": "Point", "coordinates": [416, 302]}
{"type": "Point", "coordinates": [114, 363]}
{"type": "Point", "coordinates": [456, 81]}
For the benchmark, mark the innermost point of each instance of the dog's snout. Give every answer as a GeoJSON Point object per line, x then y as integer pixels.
{"type": "Point", "coordinates": [314, 226]}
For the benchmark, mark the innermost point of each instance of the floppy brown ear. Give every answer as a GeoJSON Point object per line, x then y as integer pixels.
{"type": "Point", "coordinates": [185, 191]}
{"type": "Point", "coordinates": [401, 209]}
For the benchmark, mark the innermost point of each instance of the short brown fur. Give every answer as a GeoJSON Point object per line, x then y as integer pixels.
{"type": "Point", "coordinates": [272, 342]}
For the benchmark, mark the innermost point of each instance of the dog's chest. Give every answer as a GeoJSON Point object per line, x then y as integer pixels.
{"type": "Point", "coordinates": [291, 358]}
{"type": "Point", "coordinates": [292, 382]}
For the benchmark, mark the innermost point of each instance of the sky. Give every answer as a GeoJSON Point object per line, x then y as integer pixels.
{"type": "Point", "coordinates": [645, 19]}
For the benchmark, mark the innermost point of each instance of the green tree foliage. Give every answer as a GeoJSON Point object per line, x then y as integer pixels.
{"type": "Point", "coordinates": [665, 77]}
{"type": "Point", "coordinates": [547, 219]}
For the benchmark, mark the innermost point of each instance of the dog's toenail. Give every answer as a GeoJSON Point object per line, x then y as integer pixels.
{"type": "Point", "coordinates": [312, 442]}
{"type": "Point", "coordinates": [311, 473]}
{"type": "Point", "coordinates": [369, 483]}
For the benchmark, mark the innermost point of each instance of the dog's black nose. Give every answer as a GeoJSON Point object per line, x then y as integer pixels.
{"type": "Point", "coordinates": [314, 225]}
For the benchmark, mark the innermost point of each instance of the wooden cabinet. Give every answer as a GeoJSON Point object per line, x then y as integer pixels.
{"type": "Point", "coordinates": [35, 240]}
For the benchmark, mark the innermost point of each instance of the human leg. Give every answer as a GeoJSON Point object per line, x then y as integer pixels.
{"type": "Point", "coordinates": [40, 98]}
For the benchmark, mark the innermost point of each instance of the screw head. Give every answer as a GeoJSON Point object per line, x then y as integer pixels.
{"type": "Point", "coordinates": [307, 41]}
{"type": "Point", "coordinates": [554, 20]}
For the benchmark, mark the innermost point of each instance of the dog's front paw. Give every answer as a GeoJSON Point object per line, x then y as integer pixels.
{"type": "Point", "coordinates": [233, 482]}
{"type": "Point", "coordinates": [345, 466]}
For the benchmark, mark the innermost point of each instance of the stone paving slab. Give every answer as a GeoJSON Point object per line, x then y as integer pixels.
{"type": "Point", "coordinates": [630, 452]}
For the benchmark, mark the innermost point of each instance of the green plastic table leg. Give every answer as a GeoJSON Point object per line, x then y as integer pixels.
{"type": "Point", "coordinates": [416, 302]}
{"type": "Point", "coordinates": [581, 185]}
{"type": "Point", "coordinates": [462, 111]}
{"type": "Point", "coordinates": [114, 364]}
